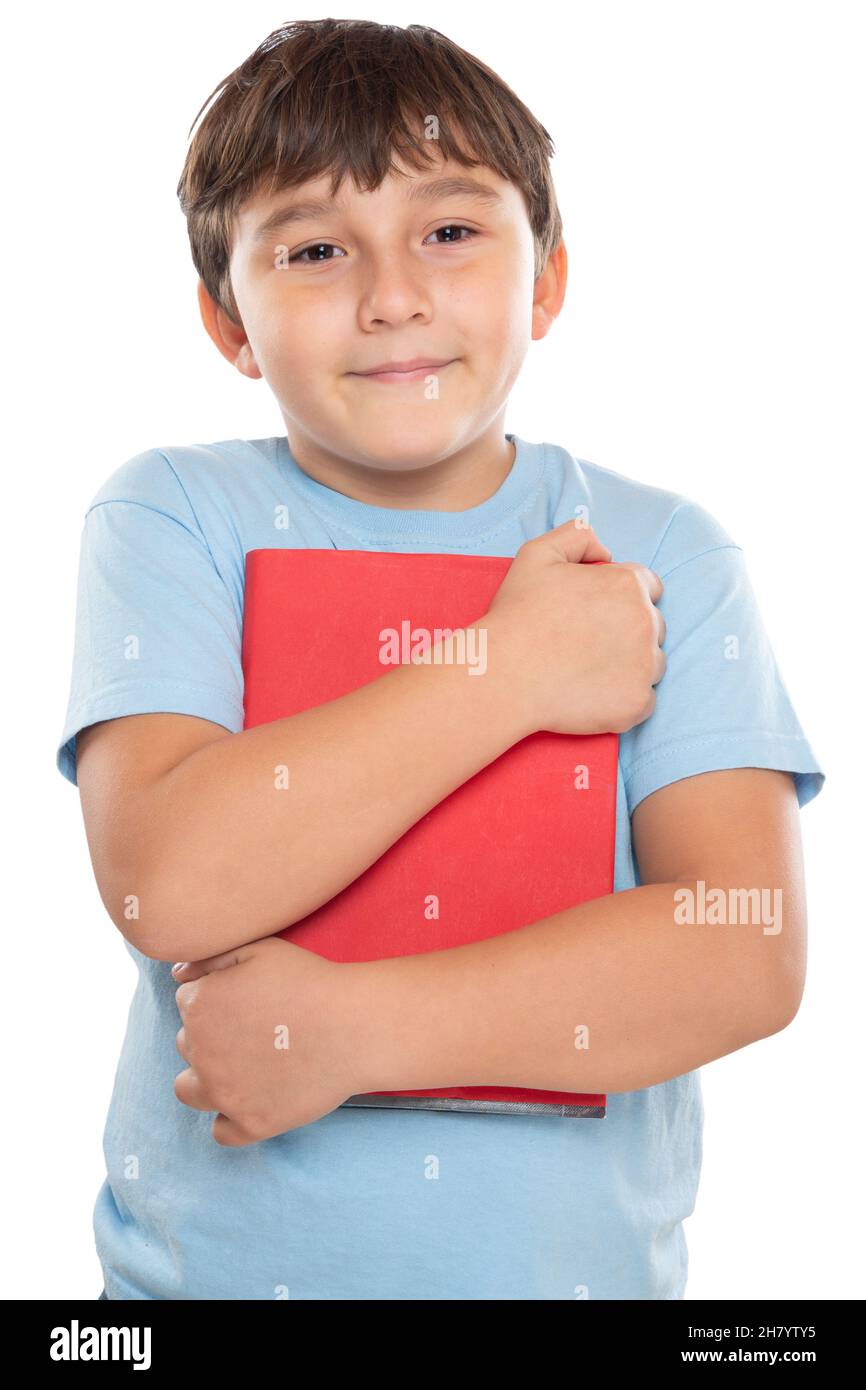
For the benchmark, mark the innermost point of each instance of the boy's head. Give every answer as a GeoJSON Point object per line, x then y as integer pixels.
{"type": "Point", "coordinates": [385, 129]}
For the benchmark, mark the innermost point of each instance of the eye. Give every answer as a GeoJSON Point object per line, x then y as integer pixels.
{"type": "Point", "coordinates": [318, 246]}
{"type": "Point", "coordinates": [453, 227]}
{"type": "Point", "coordinates": [328, 246]}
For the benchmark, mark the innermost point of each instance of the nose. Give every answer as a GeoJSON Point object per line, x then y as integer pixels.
{"type": "Point", "coordinates": [394, 292]}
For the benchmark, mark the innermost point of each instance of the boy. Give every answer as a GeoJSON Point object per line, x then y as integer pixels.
{"type": "Point", "coordinates": [391, 354]}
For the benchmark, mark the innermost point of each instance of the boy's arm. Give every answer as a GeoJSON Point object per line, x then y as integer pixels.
{"type": "Point", "coordinates": [657, 996]}
{"type": "Point", "coordinates": [217, 851]}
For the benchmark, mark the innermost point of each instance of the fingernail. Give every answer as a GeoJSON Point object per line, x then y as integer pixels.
{"type": "Point", "coordinates": [178, 966]}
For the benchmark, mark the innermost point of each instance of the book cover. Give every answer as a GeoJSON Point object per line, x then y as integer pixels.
{"type": "Point", "coordinates": [529, 835]}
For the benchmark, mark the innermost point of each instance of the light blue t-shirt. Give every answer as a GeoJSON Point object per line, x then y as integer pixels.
{"type": "Point", "coordinates": [351, 1207]}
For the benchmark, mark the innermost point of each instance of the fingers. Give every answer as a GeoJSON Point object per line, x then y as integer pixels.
{"type": "Point", "coordinates": [190, 1091]}
{"type": "Point", "coordinates": [655, 589]}
{"type": "Point", "coordinates": [187, 970]}
{"type": "Point", "coordinates": [661, 666]}
{"type": "Point", "coordinates": [654, 586]}
{"type": "Point", "coordinates": [231, 1135]}
{"type": "Point", "coordinates": [573, 541]}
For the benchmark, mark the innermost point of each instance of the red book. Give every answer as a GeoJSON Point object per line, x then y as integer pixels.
{"type": "Point", "coordinates": [529, 835]}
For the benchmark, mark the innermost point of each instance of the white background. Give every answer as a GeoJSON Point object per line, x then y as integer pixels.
{"type": "Point", "coordinates": [709, 170]}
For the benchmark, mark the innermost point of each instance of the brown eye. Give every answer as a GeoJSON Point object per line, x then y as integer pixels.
{"type": "Point", "coordinates": [317, 246]}
{"type": "Point", "coordinates": [453, 227]}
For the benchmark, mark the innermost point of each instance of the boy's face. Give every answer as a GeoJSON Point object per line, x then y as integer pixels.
{"type": "Point", "coordinates": [325, 295]}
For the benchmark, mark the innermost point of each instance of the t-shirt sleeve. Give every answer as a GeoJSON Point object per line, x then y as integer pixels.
{"type": "Point", "coordinates": [158, 626]}
{"type": "Point", "coordinates": [722, 702]}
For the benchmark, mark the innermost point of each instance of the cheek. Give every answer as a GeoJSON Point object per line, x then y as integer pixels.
{"type": "Point", "coordinates": [297, 342]}
{"type": "Point", "coordinates": [504, 330]}
{"type": "Point", "coordinates": [495, 308]}
{"type": "Point", "coordinates": [284, 316]}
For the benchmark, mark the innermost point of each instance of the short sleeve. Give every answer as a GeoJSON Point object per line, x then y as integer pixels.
{"type": "Point", "coordinates": [157, 628]}
{"type": "Point", "coordinates": [722, 702]}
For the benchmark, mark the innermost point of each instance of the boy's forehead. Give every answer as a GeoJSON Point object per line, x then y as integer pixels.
{"type": "Point", "coordinates": [264, 212]}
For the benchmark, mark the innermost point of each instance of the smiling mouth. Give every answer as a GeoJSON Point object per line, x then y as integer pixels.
{"type": "Point", "coordinates": [417, 374]}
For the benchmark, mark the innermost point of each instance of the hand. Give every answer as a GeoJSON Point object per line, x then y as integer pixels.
{"type": "Point", "coordinates": [581, 640]}
{"type": "Point", "coordinates": [272, 1036]}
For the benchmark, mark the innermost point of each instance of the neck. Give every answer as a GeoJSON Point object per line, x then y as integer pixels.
{"type": "Point", "coordinates": [454, 483]}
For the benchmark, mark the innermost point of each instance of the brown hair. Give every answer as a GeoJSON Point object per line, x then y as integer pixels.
{"type": "Point", "coordinates": [347, 95]}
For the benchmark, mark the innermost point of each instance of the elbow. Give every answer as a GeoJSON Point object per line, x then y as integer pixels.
{"type": "Point", "coordinates": [166, 902]}
{"type": "Point", "coordinates": [158, 942]}
{"type": "Point", "coordinates": [775, 987]}
{"type": "Point", "coordinates": [781, 1004]}
{"type": "Point", "coordinates": [180, 909]}
{"type": "Point", "coordinates": [189, 917]}
{"type": "Point", "coordinates": [143, 927]}
{"type": "Point", "coordinates": [159, 921]}
{"type": "Point", "coordinates": [167, 939]}
{"type": "Point", "coordinates": [171, 931]}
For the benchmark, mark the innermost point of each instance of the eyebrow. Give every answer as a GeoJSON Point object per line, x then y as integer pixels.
{"type": "Point", "coordinates": [443, 187]}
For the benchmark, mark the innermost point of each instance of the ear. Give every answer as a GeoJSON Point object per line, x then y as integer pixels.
{"type": "Point", "coordinates": [549, 291]}
{"type": "Point", "coordinates": [229, 337]}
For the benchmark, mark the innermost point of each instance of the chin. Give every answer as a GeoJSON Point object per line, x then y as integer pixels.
{"type": "Point", "coordinates": [406, 445]}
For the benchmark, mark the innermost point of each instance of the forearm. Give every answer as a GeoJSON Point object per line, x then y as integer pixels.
{"type": "Point", "coordinates": [653, 998]}
{"type": "Point", "coordinates": [242, 852]}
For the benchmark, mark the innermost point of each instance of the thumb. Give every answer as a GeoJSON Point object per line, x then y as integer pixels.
{"type": "Point", "coordinates": [573, 541]}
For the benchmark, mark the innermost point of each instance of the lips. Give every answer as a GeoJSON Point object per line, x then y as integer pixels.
{"type": "Point", "coordinates": [405, 371]}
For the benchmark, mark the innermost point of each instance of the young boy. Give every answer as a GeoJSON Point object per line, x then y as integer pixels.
{"type": "Point", "coordinates": [373, 220]}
